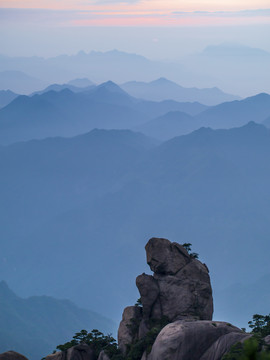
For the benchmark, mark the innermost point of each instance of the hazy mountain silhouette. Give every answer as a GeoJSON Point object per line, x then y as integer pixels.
{"type": "Point", "coordinates": [163, 89]}
{"type": "Point", "coordinates": [60, 87]}
{"type": "Point", "coordinates": [226, 115]}
{"type": "Point", "coordinates": [19, 82]}
{"type": "Point", "coordinates": [172, 124]}
{"type": "Point", "coordinates": [242, 74]}
{"type": "Point", "coordinates": [95, 65]}
{"type": "Point", "coordinates": [65, 113]}
{"type": "Point", "coordinates": [236, 113]}
{"type": "Point", "coordinates": [6, 96]}
{"type": "Point", "coordinates": [92, 201]}
{"type": "Point", "coordinates": [235, 68]}
{"type": "Point", "coordinates": [36, 325]}
{"type": "Point", "coordinates": [110, 93]}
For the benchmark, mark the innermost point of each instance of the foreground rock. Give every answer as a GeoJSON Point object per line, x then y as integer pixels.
{"type": "Point", "coordinates": [12, 355]}
{"type": "Point", "coordinates": [195, 340]}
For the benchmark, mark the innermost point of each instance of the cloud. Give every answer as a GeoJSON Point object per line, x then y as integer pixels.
{"type": "Point", "coordinates": [239, 13]}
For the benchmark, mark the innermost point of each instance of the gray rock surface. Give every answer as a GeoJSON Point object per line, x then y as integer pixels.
{"type": "Point", "coordinates": [183, 339]}
{"type": "Point", "coordinates": [165, 257]}
{"type": "Point", "coordinates": [223, 344]}
{"type": "Point", "coordinates": [180, 287]}
{"type": "Point", "coordinates": [103, 356]}
{"type": "Point", "coordinates": [77, 352]}
{"type": "Point", "coordinates": [126, 336]}
{"type": "Point", "coordinates": [267, 340]}
{"type": "Point", "coordinates": [59, 355]}
{"type": "Point", "coordinates": [12, 355]}
{"type": "Point", "coordinates": [144, 357]}
{"type": "Point", "coordinates": [149, 291]}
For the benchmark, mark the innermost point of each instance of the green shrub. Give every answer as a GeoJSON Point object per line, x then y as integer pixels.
{"type": "Point", "coordinates": [137, 348]}
{"type": "Point", "coordinates": [97, 341]}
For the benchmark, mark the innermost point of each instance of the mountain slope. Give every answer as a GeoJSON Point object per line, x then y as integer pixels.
{"type": "Point", "coordinates": [65, 113]}
{"type": "Point", "coordinates": [236, 113]}
{"type": "Point", "coordinates": [58, 87]}
{"type": "Point", "coordinates": [36, 325]}
{"type": "Point", "coordinates": [172, 124]}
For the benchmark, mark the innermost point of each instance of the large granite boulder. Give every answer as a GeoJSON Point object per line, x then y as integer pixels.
{"type": "Point", "coordinates": [195, 340]}
{"type": "Point", "coordinates": [77, 352]}
{"type": "Point", "coordinates": [180, 287]}
{"type": "Point", "coordinates": [12, 355]}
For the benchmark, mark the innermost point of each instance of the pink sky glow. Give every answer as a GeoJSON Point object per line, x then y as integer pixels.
{"type": "Point", "coordinates": [140, 13]}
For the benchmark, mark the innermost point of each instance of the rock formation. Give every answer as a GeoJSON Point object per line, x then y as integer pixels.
{"type": "Point", "coordinates": [126, 335]}
{"type": "Point", "coordinates": [12, 355]}
{"type": "Point", "coordinates": [195, 340]}
{"type": "Point", "coordinates": [180, 292]}
{"type": "Point", "coordinates": [179, 289]}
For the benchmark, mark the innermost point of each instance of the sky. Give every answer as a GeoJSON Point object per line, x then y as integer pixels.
{"type": "Point", "coordinates": [52, 27]}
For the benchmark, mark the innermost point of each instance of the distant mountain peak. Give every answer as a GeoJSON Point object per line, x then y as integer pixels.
{"type": "Point", "coordinates": [112, 87]}
{"type": "Point", "coordinates": [163, 81]}
{"type": "Point", "coordinates": [5, 290]}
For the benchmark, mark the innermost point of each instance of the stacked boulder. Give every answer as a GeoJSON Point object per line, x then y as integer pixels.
{"type": "Point", "coordinates": [180, 292]}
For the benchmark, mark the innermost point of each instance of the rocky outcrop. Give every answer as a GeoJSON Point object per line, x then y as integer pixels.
{"type": "Point", "coordinates": [12, 355]}
{"type": "Point", "coordinates": [180, 292]}
{"type": "Point", "coordinates": [195, 340]}
{"type": "Point", "coordinates": [77, 352]}
{"type": "Point", "coordinates": [131, 318]}
{"type": "Point", "coordinates": [180, 288]}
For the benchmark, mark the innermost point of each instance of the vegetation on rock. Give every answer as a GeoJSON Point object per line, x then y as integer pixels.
{"type": "Point", "coordinates": [97, 341]}
{"type": "Point", "coordinates": [187, 246]}
{"type": "Point", "coordinates": [255, 347]}
{"type": "Point", "coordinates": [139, 346]}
